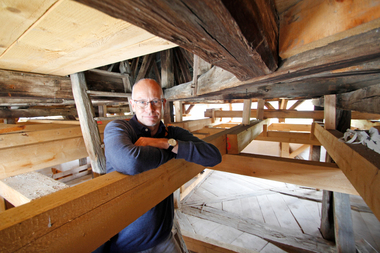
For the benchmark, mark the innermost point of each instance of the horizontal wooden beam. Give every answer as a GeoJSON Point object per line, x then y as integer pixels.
{"type": "Point", "coordinates": [307, 173]}
{"type": "Point", "coordinates": [242, 135]}
{"type": "Point", "coordinates": [209, 21]}
{"type": "Point", "coordinates": [360, 165]}
{"type": "Point", "coordinates": [289, 127]}
{"type": "Point", "coordinates": [192, 125]}
{"type": "Point", "coordinates": [18, 84]}
{"type": "Point", "coordinates": [288, 114]}
{"type": "Point", "coordinates": [289, 137]}
{"type": "Point", "coordinates": [18, 113]}
{"type": "Point", "coordinates": [78, 212]}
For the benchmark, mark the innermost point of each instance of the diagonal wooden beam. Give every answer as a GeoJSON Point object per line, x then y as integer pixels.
{"type": "Point", "coordinates": [360, 165]}
{"type": "Point", "coordinates": [308, 173]}
{"type": "Point", "coordinates": [200, 26]}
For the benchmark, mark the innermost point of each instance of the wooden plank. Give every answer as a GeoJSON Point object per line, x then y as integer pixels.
{"type": "Point", "coordinates": [43, 221]}
{"type": "Point", "coordinates": [344, 233]}
{"type": "Point", "coordinates": [167, 74]}
{"type": "Point", "coordinates": [307, 173]}
{"type": "Point", "coordinates": [241, 136]}
{"type": "Point", "coordinates": [330, 112]}
{"type": "Point", "coordinates": [290, 137]}
{"type": "Point", "coordinates": [284, 149]}
{"type": "Point", "coordinates": [358, 163]}
{"type": "Point", "coordinates": [22, 189]}
{"type": "Point", "coordinates": [191, 188]}
{"type": "Point", "coordinates": [192, 125]}
{"type": "Point", "coordinates": [198, 243]}
{"type": "Point", "coordinates": [90, 131]}
{"type": "Point", "coordinates": [18, 84]}
{"type": "Point", "coordinates": [54, 45]}
{"type": "Point", "coordinates": [299, 150]}
{"type": "Point", "coordinates": [240, 52]}
{"type": "Point", "coordinates": [342, 19]}
{"type": "Point", "coordinates": [291, 240]}
{"type": "Point", "coordinates": [289, 127]}
{"type": "Point", "coordinates": [178, 111]}
{"type": "Point", "coordinates": [31, 112]}
{"type": "Point", "coordinates": [271, 114]}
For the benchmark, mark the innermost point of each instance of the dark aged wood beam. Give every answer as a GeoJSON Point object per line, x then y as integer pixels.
{"type": "Point", "coordinates": [19, 84]}
{"type": "Point", "coordinates": [362, 100]}
{"type": "Point", "coordinates": [326, 70]}
{"type": "Point", "coordinates": [18, 113]}
{"type": "Point", "coordinates": [201, 26]}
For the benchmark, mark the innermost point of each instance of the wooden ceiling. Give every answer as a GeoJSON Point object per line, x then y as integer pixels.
{"type": "Point", "coordinates": [259, 49]}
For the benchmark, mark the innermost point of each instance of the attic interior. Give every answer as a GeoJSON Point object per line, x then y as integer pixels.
{"type": "Point", "coordinates": [67, 69]}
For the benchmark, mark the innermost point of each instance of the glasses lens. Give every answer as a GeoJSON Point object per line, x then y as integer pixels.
{"type": "Point", "coordinates": [143, 104]}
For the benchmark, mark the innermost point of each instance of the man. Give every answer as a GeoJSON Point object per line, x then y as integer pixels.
{"type": "Point", "coordinates": [144, 143]}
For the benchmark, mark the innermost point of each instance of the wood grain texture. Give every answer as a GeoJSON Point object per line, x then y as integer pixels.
{"type": "Point", "coordinates": [201, 26]}
{"type": "Point", "coordinates": [90, 131]}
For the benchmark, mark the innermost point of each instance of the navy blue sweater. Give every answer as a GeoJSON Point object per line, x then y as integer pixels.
{"type": "Point", "coordinates": [123, 156]}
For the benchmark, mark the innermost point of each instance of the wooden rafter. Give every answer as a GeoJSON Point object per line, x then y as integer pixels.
{"type": "Point", "coordinates": [241, 53]}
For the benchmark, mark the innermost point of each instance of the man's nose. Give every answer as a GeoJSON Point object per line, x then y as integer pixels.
{"type": "Point", "coordinates": [149, 106]}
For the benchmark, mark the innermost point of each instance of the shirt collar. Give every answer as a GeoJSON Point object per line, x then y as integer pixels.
{"type": "Point", "coordinates": [142, 130]}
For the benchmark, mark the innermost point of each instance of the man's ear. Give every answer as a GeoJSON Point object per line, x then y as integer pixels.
{"type": "Point", "coordinates": [164, 103]}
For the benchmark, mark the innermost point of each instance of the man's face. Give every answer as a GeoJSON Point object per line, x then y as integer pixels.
{"type": "Point", "coordinates": [147, 91]}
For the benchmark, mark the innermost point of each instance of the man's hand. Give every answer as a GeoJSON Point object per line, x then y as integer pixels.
{"type": "Point", "coordinates": [161, 143]}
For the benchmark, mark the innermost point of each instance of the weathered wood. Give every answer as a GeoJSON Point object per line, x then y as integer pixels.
{"type": "Point", "coordinates": [94, 93]}
{"type": "Point", "coordinates": [288, 114]}
{"type": "Point", "coordinates": [344, 233]}
{"type": "Point", "coordinates": [285, 238]}
{"type": "Point", "coordinates": [304, 25]}
{"type": "Point", "coordinates": [145, 67]}
{"type": "Point", "coordinates": [198, 243]}
{"type": "Point", "coordinates": [358, 163]}
{"type": "Point", "coordinates": [178, 111]}
{"type": "Point", "coordinates": [240, 136]}
{"type": "Point", "coordinates": [19, 84]}
{"type": "Point", "coordinates": [90, 131]}
{"type": "Point", "coordinates": [182, 66]}
{"type": "Point", "coordinates": [327, 216]}
{"type": "Point", "coordinates": [335, 72]}
{"type": "Point", "coordinates": [33, 112]}
{"type": "Point", "coordinates": [362, 100]}
{"type": "Point", "coordinates": [248, 51]}
{"type": "Point", "coordinates": [191, 188]}
{"type": "Point", "coordinates": [22, 189]}
{"type": "Point", "coordinates": [167, 74]}
{"type": "Point", "coordinates": [308, 173]}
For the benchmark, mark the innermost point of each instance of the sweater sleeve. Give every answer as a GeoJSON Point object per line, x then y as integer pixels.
{"type": "Point", "coordinates": [123, 156]}
{"type": "Point", "coordinates": [193, 149]}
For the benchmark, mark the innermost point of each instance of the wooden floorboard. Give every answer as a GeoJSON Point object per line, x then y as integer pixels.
{"type": "Point", "coordinates": [271, 203]}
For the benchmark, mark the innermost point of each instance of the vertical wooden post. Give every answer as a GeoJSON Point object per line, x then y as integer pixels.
{"type": "Point", "coordinates": [195, 74]}
{"type": "Point", "coordinates": [102, 110]}
{"type": "Point", "coordinates": [283, 105]}
{"type": "Point", "coordinates": [167, 74]}
{"type": "Point", "coordinates": [260, 109]}
{"type": "Point", "coordinates": [330, 112]}
{"type": "Point", "coordinates": [246, 111]}
{"type": "Point", "coordinates": [88, 125]}
{"type": "Point", "coordinates": [2, 204]}
{"type": "Point", "coordinates": [178, 111]}
{"type": "Point", "coordinates": [285, 149]}
{"type": "Point", "coordinates": [168, 113]}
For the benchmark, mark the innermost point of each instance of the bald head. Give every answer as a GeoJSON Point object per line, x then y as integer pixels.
{"type": "Point", "coordinates": [146, 87]}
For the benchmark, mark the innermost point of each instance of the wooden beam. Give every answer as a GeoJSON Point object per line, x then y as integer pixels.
{"type": "Point", "coordinates": [260, 109]}
{"type": "Point", "coordinates": [246, 112]}
{"type": "Point", "coordinates": [167, 74]}
{"type": "Point", "coordinates": [145, 67]}
{"type": "Point", "coordinates": [20, 84]}
{"type": "Point", "coordinates": [327, 70]}
{"type": "Point", "coordinates": [198, 243]}
{"type": "Point", "coordinates": [307, 173]}
{"type": "Point", "coordinates": [289, 127]}
{"type": "Point", "coordinates": [330, 112]}
{"type": "Point", "coordinates": [288, 114]}
{"type": "Point", "coordinates": [290, 137]}
{"type": "Point", "coordinates": [192, 125]}
{"type": "Point", "coordinates": [194, 185]}
{"type": "Point", "coordinates": [90, 131]}
{"type": "Point", "coordinates": [296, 104]}
{"type": "Point", "coordinates": [240, 136]}
{"type": "Point", "coordinates": [297, 37]}
{"type": "Point", "coordinates": [242, 53]}
{"type": "Point", "coordinates": [22, 189]}
{"type": "Point", "coordinates": [178, 111]}
{"type": "Point", "coordinates": [299, 150]}
{"type": "Point", "coordinates": [357, 164]}
{"type": "Point", "coordinates": [39, 222]}
{"type": "Point", "coordinates": [35, 112]}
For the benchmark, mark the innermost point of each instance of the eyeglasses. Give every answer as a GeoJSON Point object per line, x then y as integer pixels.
{"type": "Point", "coordinates": [144, 104]}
